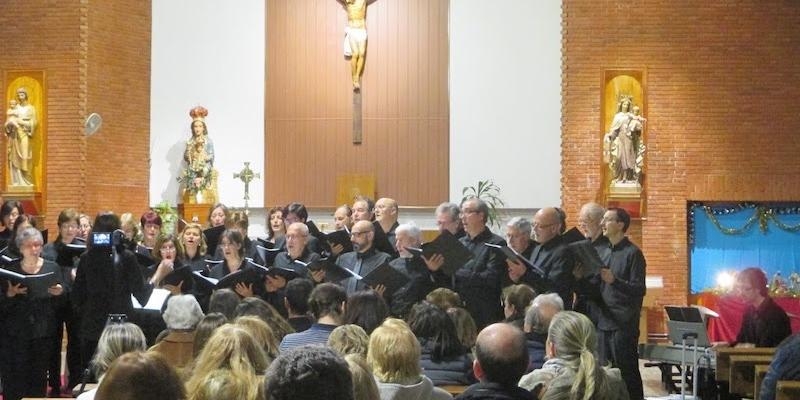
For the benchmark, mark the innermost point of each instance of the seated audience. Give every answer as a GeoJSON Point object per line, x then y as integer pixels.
{"type": "Point", "coordinates": [309, 372]}
{"type": "Point", "coordinates": [394, 355]}
{"type": "Point", "coordinates": [364, 385]}
{"type": "Point", "coordinates": [225, 384]}
{"type": "Point", "coordinates": [182, 315]}
{"type": "Point", "coordinates": [327, 304]}
{"type": "Point", "coordinates": [262, 333]}
{"type": "Point", "coordinates": [572, 371]}
{"type": "Point", "coordinates": [116, 340]}
{"type": "Point", "coordinates": [784, 366]}
{"type": "Point", "coordinates": [349, 339]}
{"type": "Point", "coordinates": [500, 361]}
{"type": "Point", "coordinates": [205, 328]}
{"type": "Point", "coordinates": [224, 301]}
{"type": "Point", "coordinates": [233, 349]}
{"type": "Point", "coordinates": [261, 309]}
{"type": "Point", "coordinates": [537, 322]}
{"type": "Point", "coordinates": [137, 376]}
{"type": "Point", "coordinates": [444, 359]}
{"type": "Point", "coordinates": [465, 326]}
{"type": "Point", "coordinates": [367, 309]}
{"type": "Point", "coordinates": [516, 298]}
{"type": "Point", "coordinates": [444, 298]}
{"type": "Point", "coordinates": [296, 303]}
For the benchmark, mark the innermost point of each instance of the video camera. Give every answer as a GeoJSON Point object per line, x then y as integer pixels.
{"type": "Point", "coordinates": [108, 239]}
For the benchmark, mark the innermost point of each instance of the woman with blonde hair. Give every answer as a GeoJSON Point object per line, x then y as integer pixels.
{"type": "Point", "coordinates": [116, 340]}
{"type": "Point", "coordinates": [364, 385]}
{"type": "Point", "coordinates": [225, 384]}
{"type": "Point", "coordinates": [394, 355]}
{"type": "Point", "coordinates": [572, 371]}
{"type": "Point", "coordinates": [231, 348]}
{"type": "Point", "coordinates": [262, 332]}
{"type": "Point", "coordinates": [349, 339]}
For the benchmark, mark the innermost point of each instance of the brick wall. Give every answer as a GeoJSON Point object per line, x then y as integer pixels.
{"type": "Point", "coordinates": [96, 57]}
{"type": "Point", "coordinates": [721, 81]}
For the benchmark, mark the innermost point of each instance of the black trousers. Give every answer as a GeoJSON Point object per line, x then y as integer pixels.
{"type": "Point", "coordinates": [24, 365]}
{"type": "Point", "coordinates": [621, 349]}
{"type": "Point", "coordinates": [69, 319]}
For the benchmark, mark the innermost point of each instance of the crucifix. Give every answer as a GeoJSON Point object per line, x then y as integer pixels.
{"type": "Point", "coordinates": [246, 175]}
{"type": "Point", "coordinates": [355, 47]}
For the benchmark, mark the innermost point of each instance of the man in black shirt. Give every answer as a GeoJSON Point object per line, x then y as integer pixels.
{"type": "Point", "coordinates": [587, 298]}
{"type": "Point", "coordinates": [622, 289]}
{"type": "Point", "coordinates": [364, 259]}
{"type": "Point", "coordinates": [478, 281]}
{"type": "Point", "coordinates": [448, 219]}
{"type": "Point", "coordinates": [424, 278]}
{"type": "Point", "coordinates": [550, 256]}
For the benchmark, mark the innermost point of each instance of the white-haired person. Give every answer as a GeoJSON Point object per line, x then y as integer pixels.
{"type": "Point", "coordinates": [182, 315]}
{"type": "Point", "coordinates": [537, 323]}
{"type": "Point", "coordinates": [394, 355]}
{"type": "Point", "coordinates": [116, 340]}
{"type": "Point", "coordinates": [572, 370]}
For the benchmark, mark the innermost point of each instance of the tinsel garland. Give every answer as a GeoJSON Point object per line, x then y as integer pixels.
{"type": "Point", "coordinates": [761, 214]}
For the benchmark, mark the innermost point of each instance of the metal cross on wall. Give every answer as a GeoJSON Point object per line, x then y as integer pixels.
{"type": "Point", "coordinates": [246, 175]}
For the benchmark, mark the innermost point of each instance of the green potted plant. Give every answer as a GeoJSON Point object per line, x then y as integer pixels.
{"type": "Point", "coordinates": [489, 192]}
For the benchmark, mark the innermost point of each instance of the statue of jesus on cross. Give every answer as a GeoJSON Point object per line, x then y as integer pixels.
{"type": "Point", "coordinates": [355, 37]}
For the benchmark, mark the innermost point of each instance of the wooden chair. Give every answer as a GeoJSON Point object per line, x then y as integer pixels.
{"type": "Point", "coordinates": [742, 373]}
{"type": "Point", "coordinates": [761, 372]}
{"type": "Point", "coordinates": [723, 357]}
{"type": "Point", "coordinates": [455, 390]}
{"type": "Point", "coordinates": [787, 390]}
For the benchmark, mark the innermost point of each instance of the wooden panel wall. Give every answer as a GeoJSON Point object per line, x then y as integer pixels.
{"type": "Point", "coordinates": [309, 102]}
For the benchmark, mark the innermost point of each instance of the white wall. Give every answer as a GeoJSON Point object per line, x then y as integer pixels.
{"type": "Point", "coordinates": [505, 82]}
{"type": "Point", "coordinates": [505, 98]}
{"type": "Point", "coordinates": [209, 53]}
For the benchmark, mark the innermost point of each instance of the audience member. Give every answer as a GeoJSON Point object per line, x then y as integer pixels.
{"type": "Point", "coordinates": [444, 298]}
{"type": "Point", "coordinates": [262, 333]}
{"type": "Point", "coordinates": [261, 309]}
{"type": "Point", "coordinates": [444, 358]}
{"type": "Point", "coordinates": [116, 340]}
{"type": "Point", "coordinates": [394, 355]}
{"type": "Point", "coordinates": [224, 301]}
{"type": "Point", "coordinates": [205, 328]}
{"type": "Point", "coordinates": [465, 326]}
{"type": "Point", "coordinates": [137, 375]}
{"type": "Point", "coordinates": [364, 385]}
{"type": "Point", "coordinates": [516, 298]}
{"type": "Point", "coordinates": [500, 361]}
{"type": "Point", "coordinates": [327, 304]}
{"type": "Point", "coordinates": [296, 303]}
{"type": "Point", "coordinates": [537, 322]}
{"type": "Point", "coordinates": [784, 366]}
{"type": "Point", "coordinates": [349, 339]}
{"type": "Point", "coordinates": [225, 384]}
{"type": "Point", "coordinates": [572, 371]}
{"type": "Point", "coordinates": [367, 309]}
{"type": "Point", "coordinates": [182, 315]}
{"type": "Point", "coordinates": [309, 373]}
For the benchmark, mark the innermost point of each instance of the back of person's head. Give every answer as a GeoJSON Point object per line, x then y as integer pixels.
{"type": "Point", "coordinates": [116, 340]}
{"type": "Point", "coordinates": [230, 347]}
{"type": "Point", "coordinates": [140, 375]}
{"type": "Point", "coordinates": [364, 385]}
{"type": "Point", "coordinates": [262, 332]}
{"type": "Point", "coordinates": [756, 278]}
{"type": "Point", "coordinates": [224, 384]}
{"type": "Point", "coordinates": [254, 306]}
{"type": "Point", "coordinates": [183, 312]}
{"type": "Point", "coordinates": [326, 300]}
{"type": "Point", "coordinates": [309, 373]}
{"type": "Point", "coordinates": [104, 222]}
{"type": "Point", "coordinates": [444, 298]}
{"type": "Point", "coordinates": [501, 354]}
{"type": "Point", "coordinates": [238, 220]}
{"type": "Point", "coordinates": [574, 338]}
{"type": "Point", "coordinates": [367, 309]}
{"type": "Point", "coordinates": [519, 296]}
{"type": "Point", "coordinates": [466, 329]}
{"type": "Point", "coordinates": [432, 323]}
{"type": "Point", "coordinates": [224, 301]}
{"type": "Point", "coordinates": [297, 292]}
{"type": "Point", "coordinates": [349, 339]}
{"type": "Point", "coordinates": [394, 352]}
{"type": "Point", "coordinates": [541, 311]}
{"type": "Point", "coordinates": [205, 328]}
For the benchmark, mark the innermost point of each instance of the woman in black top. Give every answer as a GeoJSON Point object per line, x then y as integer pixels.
{"type": "Point", "coordinates": [28, 322]}
{"type": "Point", "coordinates": [9, 211]}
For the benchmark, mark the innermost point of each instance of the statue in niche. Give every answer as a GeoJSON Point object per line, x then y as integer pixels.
{"type": "Point", "coordinates": [199, 178]}
{"type": "Point", "coordinates": [20, 126]}
{"type": "Point", "coordinates": [623, 149]}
